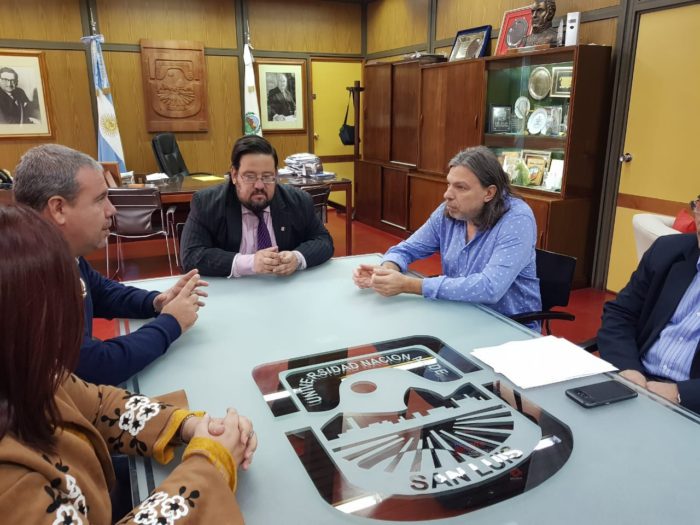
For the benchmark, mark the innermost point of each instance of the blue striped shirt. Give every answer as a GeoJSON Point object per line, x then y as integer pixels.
{"type": "Point", "coordinates": [672, 354]}
{"type": "Point", "coordinates": [496, 268]}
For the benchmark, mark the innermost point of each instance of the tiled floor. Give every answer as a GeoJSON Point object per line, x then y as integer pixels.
{"type": "Point", "coordinates": [585, 304]}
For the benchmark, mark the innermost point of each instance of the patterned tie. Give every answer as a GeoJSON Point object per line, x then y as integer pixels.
{"type": "Point", "coordinates": [264, 240]}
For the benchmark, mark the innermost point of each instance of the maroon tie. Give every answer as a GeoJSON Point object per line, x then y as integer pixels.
{"type": "Point", "coordinates": [264, 240]}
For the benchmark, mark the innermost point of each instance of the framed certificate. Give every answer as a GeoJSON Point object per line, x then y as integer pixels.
{"type": "Point", "coordinates": [562, 81]}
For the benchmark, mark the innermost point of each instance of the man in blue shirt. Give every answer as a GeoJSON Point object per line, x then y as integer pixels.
{"type": "Point", "coordinates": [68, 187]}
{"type": "Point", "coordinates": [651, 331]}
{"type": "Point", "coordinates": [486, 239]}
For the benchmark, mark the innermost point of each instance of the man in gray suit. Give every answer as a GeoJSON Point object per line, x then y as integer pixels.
{"type": "Point", "coordinates": [251, 225]}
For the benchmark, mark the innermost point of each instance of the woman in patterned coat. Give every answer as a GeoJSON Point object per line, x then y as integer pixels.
{"type": "Point", "coordinates": [57, 431]}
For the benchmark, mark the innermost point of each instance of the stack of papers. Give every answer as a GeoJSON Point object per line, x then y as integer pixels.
{"type": "Point", "coordinates": [156, 176]}
{"type": "Point", "coordinates": [541, 361]}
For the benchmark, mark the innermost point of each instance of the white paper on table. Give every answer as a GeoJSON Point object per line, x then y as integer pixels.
{"type": "Point", "coordinates": [156, 176]}
{"type": "Point", "coordinates": [541, 361]}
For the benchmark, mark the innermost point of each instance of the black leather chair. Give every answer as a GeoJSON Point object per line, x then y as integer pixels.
{"type": "Point", "coordinates": [556, 273]}
{"type": "Point", "coordinates": [319, 194]}
{"type": "Point", "coordinates": [168, 156]}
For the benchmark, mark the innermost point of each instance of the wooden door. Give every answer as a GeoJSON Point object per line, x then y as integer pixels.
{"type": "Point", "coordinates": [661, 129]}
{"type": "Point", "coordinates": [377, 112]}
{"type": "Point", "coordinates": [452, 100]}
{"type": "Point", "coordinates": [404, 112]}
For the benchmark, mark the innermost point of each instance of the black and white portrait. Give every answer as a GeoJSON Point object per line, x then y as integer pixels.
{"type": "Point", "coordinates": [281, 84]}
{"type": "Point", "coordinates": [22, 95]}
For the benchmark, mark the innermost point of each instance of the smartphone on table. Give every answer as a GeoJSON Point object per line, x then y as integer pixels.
{"type": "Point", "coordinates": [602, 393]}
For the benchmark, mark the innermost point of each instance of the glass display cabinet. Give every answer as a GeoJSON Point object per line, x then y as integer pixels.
{"type": "Point", "coordinates": [546, 118]}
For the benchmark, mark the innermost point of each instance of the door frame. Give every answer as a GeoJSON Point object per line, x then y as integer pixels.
{"type": "Point", "coordinates": [625, 51]}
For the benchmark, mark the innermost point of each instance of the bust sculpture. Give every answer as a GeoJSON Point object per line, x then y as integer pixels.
{"type": "Point", "coordinates": [542, 30]}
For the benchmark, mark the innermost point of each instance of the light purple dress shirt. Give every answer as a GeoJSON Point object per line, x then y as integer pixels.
{"type": "Point", "coordinates": [244, 259]}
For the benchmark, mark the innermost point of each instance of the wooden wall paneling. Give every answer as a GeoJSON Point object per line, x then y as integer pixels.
{"type": "Point", "coordinates": [311, 26]}
{"type": "Point", "coordinates": [368, 191]}
{"type": "Point", "coordinates": [57, 20]}
{"type": "Point", "coordinates": [377, 112]}
{"type": "Point", "coordinates": [212, 22]}
{"type": "Point", "coordinates": [454, 15]}
{"type": "Point", "coordinates": [601, 32]}
{"type": "Point", "coordinates": [395, 197]}
{"type": "Point", "coordinates": [210, 151]}
{"type": "Point", "coordinates": [71, 109]}
{"type": "Point", "coordinates": [287, 144]}
{"type": "Point", "coordinates": [405, 111]}
{"type": "Point", "coordinates": [425, 194]}
{"type": "Point", "coordinates": [393, 24]}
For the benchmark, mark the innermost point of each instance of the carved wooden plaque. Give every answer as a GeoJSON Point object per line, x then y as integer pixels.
{"type": "Point", "coordinates": [174, 85]}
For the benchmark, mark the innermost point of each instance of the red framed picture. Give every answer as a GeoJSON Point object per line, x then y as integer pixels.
{"type": "Point", "coordinates": [516, 25]}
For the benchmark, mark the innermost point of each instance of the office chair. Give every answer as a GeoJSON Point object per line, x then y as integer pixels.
{"type": "Point", "coordinates": [319, 194]}
{"type": "Point", "coordinates": [168, 156]}
{"type": "Point", "coordinates": [134, 220]}
{"type": "Point", "coordinates": [556, 273]}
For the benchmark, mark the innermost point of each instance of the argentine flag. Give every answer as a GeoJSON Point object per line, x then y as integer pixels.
{"type": "Point", "coordinates": [251, 111]}
{"type": "Point", "coordinates": [109, 143]}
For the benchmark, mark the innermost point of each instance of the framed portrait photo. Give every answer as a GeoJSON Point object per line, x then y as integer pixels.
{"type": "Point", "coordinates": [24, 95]}
{"type": "Point", "coordinates": [562, 80]}
{"type": "Point", "coordinates": [516, 25]}
{"type": "Point", "coordinates": [282, 95]}
{"type": "Point", "coordinates": [470, 43]}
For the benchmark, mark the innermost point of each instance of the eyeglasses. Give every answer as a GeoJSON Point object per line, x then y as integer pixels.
{"type": "Point", "coordinates": [695, 205]}
{"type": "Point", "coordinates": [8, 79]}
{"type": "Point", "coordinates": [251, 178]}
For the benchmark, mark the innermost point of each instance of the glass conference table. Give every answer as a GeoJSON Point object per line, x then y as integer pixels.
{"type": "Point", "coordinates": [179, 190]}
{"type": "Point", "coordinates": [371, 409]}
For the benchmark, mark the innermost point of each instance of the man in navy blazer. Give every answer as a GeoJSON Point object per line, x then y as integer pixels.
{"type": "Point", "coordinates": [651, 331]}
{"type": "Point", "coordinates": [250, 224]}
{"type": "Point", "coordinates": [68, 188]}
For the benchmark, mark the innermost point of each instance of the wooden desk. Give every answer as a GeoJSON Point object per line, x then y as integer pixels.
{"type": "Point", "coordinates": [179, 190]}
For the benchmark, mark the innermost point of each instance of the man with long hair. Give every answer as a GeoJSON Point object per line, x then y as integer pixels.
{"type": "Point", "coordinates": [485, 237]}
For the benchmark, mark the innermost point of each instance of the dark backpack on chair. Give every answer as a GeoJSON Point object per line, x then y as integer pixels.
{"type": "Point", "coordinates": [347, 133]}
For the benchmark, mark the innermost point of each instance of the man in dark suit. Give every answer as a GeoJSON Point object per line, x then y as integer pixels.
{"type": "Point", "coordinates": [280, 102]}
{"type": "Point", "coordinates": [15, 106]}
{"type": "Point", "coordinates": [251, 225]}
{"type": "Point", "coordinates": [651, 331]}
{"type": "Point", "coordinates": [69, 189]}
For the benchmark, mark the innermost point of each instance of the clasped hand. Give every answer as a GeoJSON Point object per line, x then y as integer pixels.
{"type": "Point", "coordinates": [234, 432]}
{"type": "Point", "coordinates": [271, 260]}
{"type": "Point", "coordinates": [386, 281]}
{"type": "Point", "coordinates": [668, 391]}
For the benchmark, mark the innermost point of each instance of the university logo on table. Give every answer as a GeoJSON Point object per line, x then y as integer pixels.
{"type": "Point", "coordinates": [409, 429]}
